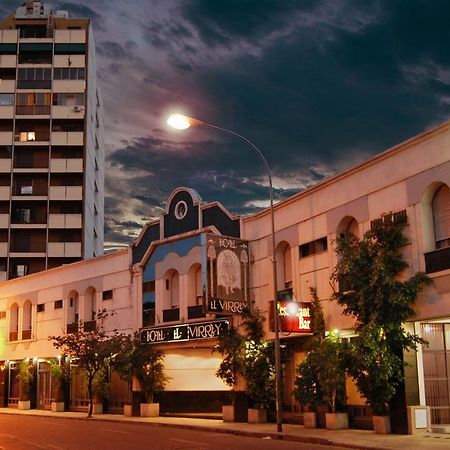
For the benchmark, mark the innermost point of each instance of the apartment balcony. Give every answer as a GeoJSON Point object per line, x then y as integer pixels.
{"type": "Point", "coordinates": [67, 138]}
{"type": "Point", "coordinates": [72, 328]}
{"type": "Point", "coordinates": [6, 137]}
{"type": "Point", "coordinates": [70, 36]}
{"type": "Point", "coordinates": [69, 87]}
{"type": "Point", "coordinates": [3, 249]}
{"type": "Point", "coordinates": [6, 112]}
{"type": "Point", "coordinates": [5, 165]}
{"type": "Point", "coordinates": [68, 112]}
{"type": "Point", "coordinates": [4, 220]}
{"type": "Point", "coordinates": [9, 36]}
{"type": "Point", "coordinates": [32, 137]}
{"type": "Point", "coordinates": [69, 61]}
{"type": "Point", "coordinates": [66, 165]}
{"type": "Point", "coordinates": [8, 86]}
{"type": "Point", "coordinates": [65, 193]}
{"type": "Point", "coordinates": [5, 192]}
{"type": "Point", "coordinates": [33, 110]}
{"type": "Point", "coordinates": [65, 221]}
{"type": "Point", "coordinates": [64, 249]}
{"type": "Point", "coordinates": [8, 61]}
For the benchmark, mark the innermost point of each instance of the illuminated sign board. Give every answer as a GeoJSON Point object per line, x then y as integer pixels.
{"type": "Point", "coordinates": [294, 317]}
{"type": "Point", "coordinates": [184, 332]}
{"type": "Point", "coordinates": [226, 263]}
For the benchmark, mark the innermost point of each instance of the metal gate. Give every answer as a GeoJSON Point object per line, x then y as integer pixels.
{"type": "Point", "coordinates": [436, 364]}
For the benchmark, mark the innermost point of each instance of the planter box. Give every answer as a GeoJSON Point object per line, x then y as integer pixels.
{"type": "Point", "coordinates": [228, 413]}
{"type": "Point", "coordinates": [57, 406]}
{"type": "Point", "coordinates": [381, 424]}
{"type": "Point", "coordinates": [257, 415]}
{"type": "Point", "coordinates": [310, 420]}
{"type": "Point", "coordinates": [128, 410]}
{"type": "Point", "coordinates": [336, 421]}
{"type": "Point", "coordinates": [24, 404]}
{"type": "Point", "coordinates": [149, 409]}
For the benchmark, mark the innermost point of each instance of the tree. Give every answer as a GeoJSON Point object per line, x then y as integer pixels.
{"type": "Point", "coordinates": [25, 377]}
{"type": "Point", "coordinates": [375, 290]}
{"type": "Point", "coordinates": [144, 362]}
{"type": "Point", "coordinates": [92, 350]}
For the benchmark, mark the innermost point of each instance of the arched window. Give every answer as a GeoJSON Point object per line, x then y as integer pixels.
{"type": "Point", "coordinates": [172, 289]}
{"type": "Point", "coordinates": [14, 322]}
{"type": "Point", "coordinates": [26, 320]}
{"type": "Point", "coordinates": [284, 267]}
{"type": "Point", "coordinates": [195, 289]}
{"type": "Point", "coordinates": [348, 228]}
{"type": "Point", "coordinates": [441, 216]}
{"type": "Point", "coordinates": [89, 305]}
{"type": "Point", "coordinates": [73, 313]}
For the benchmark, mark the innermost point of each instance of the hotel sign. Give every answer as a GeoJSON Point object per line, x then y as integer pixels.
{"type": "Point", "coordinates": [184, 332]}
{"type": "Point", "coordinates": [226, 274]}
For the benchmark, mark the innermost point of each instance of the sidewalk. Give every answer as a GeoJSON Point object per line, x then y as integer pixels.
{"type": "Point", "coordinates": [354, 439]}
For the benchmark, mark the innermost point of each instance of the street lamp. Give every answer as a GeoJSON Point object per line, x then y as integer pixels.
{"type": "Point", "coordinates": [182, 122]}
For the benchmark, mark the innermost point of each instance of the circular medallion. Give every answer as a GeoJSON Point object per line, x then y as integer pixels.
{"type": "Point", "coordinates": [181, 210]}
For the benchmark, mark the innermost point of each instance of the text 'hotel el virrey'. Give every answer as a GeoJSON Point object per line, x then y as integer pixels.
{"type": "Point", "coordinates": [51, 142]}
{"type": "Point", "coordinates": [52, 212]}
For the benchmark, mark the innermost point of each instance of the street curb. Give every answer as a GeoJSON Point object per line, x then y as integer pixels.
{"type": "Point", "coordinates": [245, 433]}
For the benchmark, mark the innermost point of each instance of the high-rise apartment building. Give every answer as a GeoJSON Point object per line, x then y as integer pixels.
{"type": "Point", "coordinates": [51, 142]}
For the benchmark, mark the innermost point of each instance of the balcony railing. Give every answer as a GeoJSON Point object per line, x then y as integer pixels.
{"type": "Point", "coordinates": [13, 336]}
{"type": "Point", "coordinates": [195, 312]}
{"type": "Point", "coordinates": [171, 315]}
{"type": "Point", "coordinates": [26, 334]}
{"type": "Point", "coordinates": [72, 327]}
{"type": "Point", "coordinates": [33, 110]}
{"type": "Point", "coordinates": [90, 326]}
{"type": "Point", "coordinates": [437, 260]}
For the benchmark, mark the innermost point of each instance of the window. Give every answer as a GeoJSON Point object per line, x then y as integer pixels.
{"type": "Point", "coordinates": [25, 187]}
{"type": "Point", "coordinates": [8, 49]}
{"type": "Point", "coordinates": [34, 78]}
{"type": "Point", "coordinates": [71, 99]}
{"type": "Point", "coordinates": [58, 304]}
{"type": "Point", "coordinates": [40, 307]}
{"type": "Point", "coordinates": [6, 99]}
{"type": "Point", "coordinates": [310, 248]}
{"type": "Point", "coordinates": [69, 73]}
{"type": "Point", "coordinates": [70, 49]}
{"type": "Point", "coordinates": [2, 314]}
{"type": "Point", "coordinates": [107, 295]}
{"type": "Point", "coordinates": [21, 270]}
{"type": "Point", "coordinates": [441, 217]}
{"type": "Point", "coordinates": [33, 103]}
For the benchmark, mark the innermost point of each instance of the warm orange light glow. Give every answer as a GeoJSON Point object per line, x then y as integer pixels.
{"type": "Point", "coordinates": [181, 122]}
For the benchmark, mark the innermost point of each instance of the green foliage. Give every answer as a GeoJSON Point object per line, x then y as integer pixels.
{"type": "Point", "coordinates": [142, 361]}
{"type": "Point", "coordinates": [317, 319]}
{"type": "Point", "coordinates": [230, 347]}
{"type": "Point", "coordinates": [307, 389]}
{"type": "Point", "coordinates": [25, 377]}
{"type": "Point", "coordinates": [376, 369]}
{"type": "Point", "coordinates": [60, 371]}
{"type": "Point", "coordinates": [250, 356]}
{"type": "Point", "coordinates": [92, 350]}
{"type": "Point", "coordinates": [374, 289]}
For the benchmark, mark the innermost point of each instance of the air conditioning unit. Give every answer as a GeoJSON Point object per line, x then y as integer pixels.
{"type": "Point", "coordinates": [78, 108]}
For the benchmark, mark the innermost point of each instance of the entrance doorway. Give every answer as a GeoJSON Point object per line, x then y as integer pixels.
{"type": "Point", "coordinates": [44, 385]}
{"type": "Point", "coordinates": [436, 365]}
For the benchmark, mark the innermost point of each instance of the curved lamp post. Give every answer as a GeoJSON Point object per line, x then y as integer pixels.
{"type": "Point", "coordinates": [182, 122]}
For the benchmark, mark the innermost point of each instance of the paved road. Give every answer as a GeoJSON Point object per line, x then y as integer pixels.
{"type": "Point", "coordinates": [32, 433]}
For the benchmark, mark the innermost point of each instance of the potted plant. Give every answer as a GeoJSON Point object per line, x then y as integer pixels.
{"type": "Point", "coordinates": [101, 389]}
{"type": "Point", "coordinates": [331, 376]}
{"type": "Point", "coordinates": [141, 365]}
{"type": "Point", "coordinates": [60, 374]}
{"type": "Point", "coordinates": [259, 374]}
{"type": "Point", "coordinates": [307, 388]}
{"type": "Point", "coordinates": [230, 368]}
{"type": "Point", "coordinates": [377, 371]}
{"type": "Point", "coordinates": [25, 377]}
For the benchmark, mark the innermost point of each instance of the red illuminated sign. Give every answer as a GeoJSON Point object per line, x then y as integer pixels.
{"type": "Point", "coordinates": [294, 317]}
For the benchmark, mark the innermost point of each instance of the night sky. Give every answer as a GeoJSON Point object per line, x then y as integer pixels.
{"type": "Point", "coordinates": [317, 85]}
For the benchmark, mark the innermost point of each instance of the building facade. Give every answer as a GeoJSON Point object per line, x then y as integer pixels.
{"type": "Point", "coordinates": [159, 283]}
{"type": "Point", "coordinates": [51, 142]}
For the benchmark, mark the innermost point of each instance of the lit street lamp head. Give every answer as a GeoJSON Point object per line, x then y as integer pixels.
{"type": "Point", "coordinates": [181, 122]}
